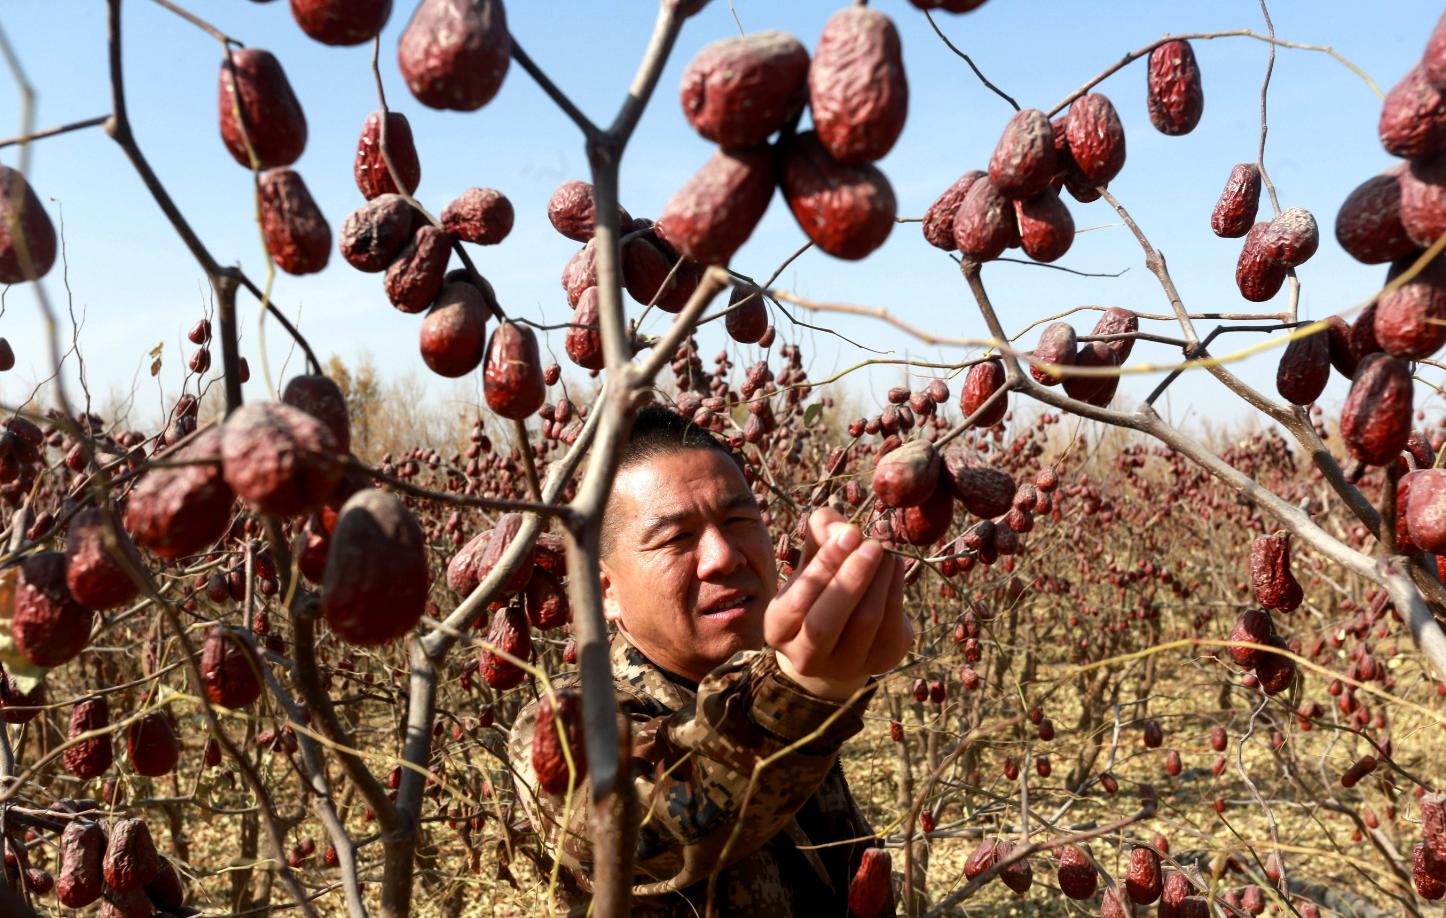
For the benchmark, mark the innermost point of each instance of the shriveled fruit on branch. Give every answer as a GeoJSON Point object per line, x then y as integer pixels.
{"type": "Point", "coordinates": [375, 233]}
{"type": "Point", "coordinates": [1176, 888]}
{"type": "Point", "coordinates": [985, 223]}
{"type": "Point", "coordinates": [985, 492]}
{"type": "Point", "coordinates": [297, 236]}
{"type": "Point", "coordinates": [180, 510]}
{"type": "Point", "coordinates": [279, 459]}
{"type": "Point", "coordinates": [271, 118]}
{"type": "Point", "coordinates": [1275, 585]}
{"type": "Point", "coordinates": [151, 745]}
{"type": "Point", "coordinates": [89, 757]}
{"type": "Point", "coordinates": [49, 627]}
{"type": "Point", "coordinates": [939, 218]}
{"type": "Point", "coordinates": [164, 889]}
{"type": "Point", "coordinates": [13, 701]}
{"type": "Point", "coordinates": [1413, 118]}
{"type": "Point", "coordinates": [130, 903]}
{"type": "Point", "coordinates": [715, 211]}
{"type": "Point", "coordinates": [1423, 200]}
{"type": "Point", "coordinates": [1410, 320]}
{"type": "Point", "coordinates": [549, 761]}
{"type": "Point", "coordinates": [1368, 225]}
{"type": "Point", "coordinates": [1404, 543]}
{"type": "Point", "coordinates": [1174, 95]}
{"type": "Point", "coordinates": [1433, 824]}
{"type": "Point", "coordinates": [1291, 238]}
{"type": "Point", "coordinates": [1275, 671]}
{"type": "Point", "coordinates": [1376, 417]}
{"type": "Point", "coordinates": [738, 91]}
{"type": "Point", "coordinates": [1254, 626]}
{"type": "Point", "coordinates": [454, 53]}
{"type": "Point", "coordinates": [1018, 876]}
{"type": "Point", "coordinates": [1152, 735]}
{"type": "Point", "coordinates": [1257, 274]}
{"type": "Point", "coordinates": [376, 582]}
{"type": "Point", "coordinates": [1096, 138]}
{"type": "Point", "coordinates": [341, 22]}
{"type": "Point", "coordinates": [1023, 161]}
{"type": "Point", "coordinates": [1094, 390]}
{"type": "Point", "coordinates": [499, 539]}
{"type": "Point", "coordinates": [95, 577]}
{"type": "Point", "coordinates": [1427, 874]}
{"type": "Point", "coordinates": [321, 398]}
{"type": "Point", "coordinates": [508, 633]}
{"type": "Point", "coordinates": [1304, 368]}
{"type": "Point", "coordinates": [981, 382]}
{"type": "Point", "coordinates": [747, 318]}
{"type": "Point", "coordinates": [131, 860]}
{"type": "Point", "coordinates": [1076, 875]}
{"type": "Point", "coordinates": [871, 888]}
{"type": "Point", "coordinates": [512, 376]}
{"type": "Point", "coordinates": [82, 848]}
{"type": "Point", "coordinates": [907, 476]}
{"type": "Point", "coordinates": [547, 603]}
{"type": "Point", "coordinates": [1234, 212]}
{"type": "Point", "coordinates": [20, 208]}
{"type": "Point", "coordinates": [1046, 229]}
{"type": "Point", "coordinates": [1343, 354]}
{"type": "Point", "coordinates": [415, 276]}
{"type": "Point", "coordinates": [370, 169]}
{"type": "Point", "coordinates": [7, 354]}
{"type": "Point", "coordinates": [1425, 509]}
{"type": "Point", "coordinates": [454, 333]}
{"type": "Point", "coordinates": [1067, 174]}
{"type": "Point", "coordinates": [857, 89]}
{"type": "Point", "coordinates": [1112, 906]}
{"type": "Point", "coordinates": [482, 216]}
{"type": "Point", "coordinates": [1143, 882]}
{"type": "Point", "coordinates": [470, 566]}
{"type": "Point", "coordinates": [230, 673]}
{"type": "Point", "coordinates": [583, 341]}
{"type": "Point", "coordinates": [981, 859]}
{"type": "Point", "coordinates": [927, 522]}
{"type": "Point", "coordinates": [1057, 345]}
{"type": "Point", "coordinates": [1118, 321]}
{"type": "Point", "coordinates": [572, 210]}
{"type": "Point", "coordinates": [653, 273]}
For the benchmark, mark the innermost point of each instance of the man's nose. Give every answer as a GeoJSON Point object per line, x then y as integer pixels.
{"type": "Point", "coordinates": [717, 554]}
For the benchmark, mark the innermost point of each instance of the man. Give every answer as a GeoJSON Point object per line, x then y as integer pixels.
{"type": "Point", "coordinates": [717, 668]}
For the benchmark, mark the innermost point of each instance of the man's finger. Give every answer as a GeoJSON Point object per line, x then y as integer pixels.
{"type": "Point", "coordinates": [896, 633]}
{"type": "Point", "coordinates": [786, 613]}
{"type": "Point", "coordinates": [836, 602]}
{"type": "Point", "coordinates": [872, 612]}
{"type": "Point", "coordinates": [822, 524]}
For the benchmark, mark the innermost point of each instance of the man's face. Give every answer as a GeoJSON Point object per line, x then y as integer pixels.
{"type": "Point", "coordinates": [690, 569]}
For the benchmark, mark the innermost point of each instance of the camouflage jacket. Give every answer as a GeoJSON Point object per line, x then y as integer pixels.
{"type": "Point", "coordinates": [693, 754]}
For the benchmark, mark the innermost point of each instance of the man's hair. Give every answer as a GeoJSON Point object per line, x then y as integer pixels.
{"type": "Point", "coordinates": [658, 431]}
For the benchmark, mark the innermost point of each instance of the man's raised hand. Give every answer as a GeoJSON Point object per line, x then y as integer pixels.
{"type": "Point", "coordinates": [840, 618]}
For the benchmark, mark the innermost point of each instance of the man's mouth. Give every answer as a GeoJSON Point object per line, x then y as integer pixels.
{"type": "Point", "coordinates": [726, 606]}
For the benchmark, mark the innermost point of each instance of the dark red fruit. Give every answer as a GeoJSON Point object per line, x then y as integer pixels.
{"type": "Point", "coordinates": [454, 53]}
{"type": "Point", "coordinates": [377, 580]}
{"type": "Point", "coordinates": [272, 118]}
{"type": "Point", "coordinates": [370, 168]}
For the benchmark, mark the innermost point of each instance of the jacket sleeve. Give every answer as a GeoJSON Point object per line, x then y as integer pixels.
{"type": "Point", "coordinates": [692, 768]}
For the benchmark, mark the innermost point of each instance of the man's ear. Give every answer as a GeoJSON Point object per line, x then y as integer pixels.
{"type": "Point", "coordinates": [612, 612]}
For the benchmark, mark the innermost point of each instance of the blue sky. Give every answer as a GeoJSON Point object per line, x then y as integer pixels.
{"type": "Point", "coordinates": [138, 286]}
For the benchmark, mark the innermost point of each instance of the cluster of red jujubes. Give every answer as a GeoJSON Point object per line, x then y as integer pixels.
{"type": "Point", "coordinates": [1390, 217]}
